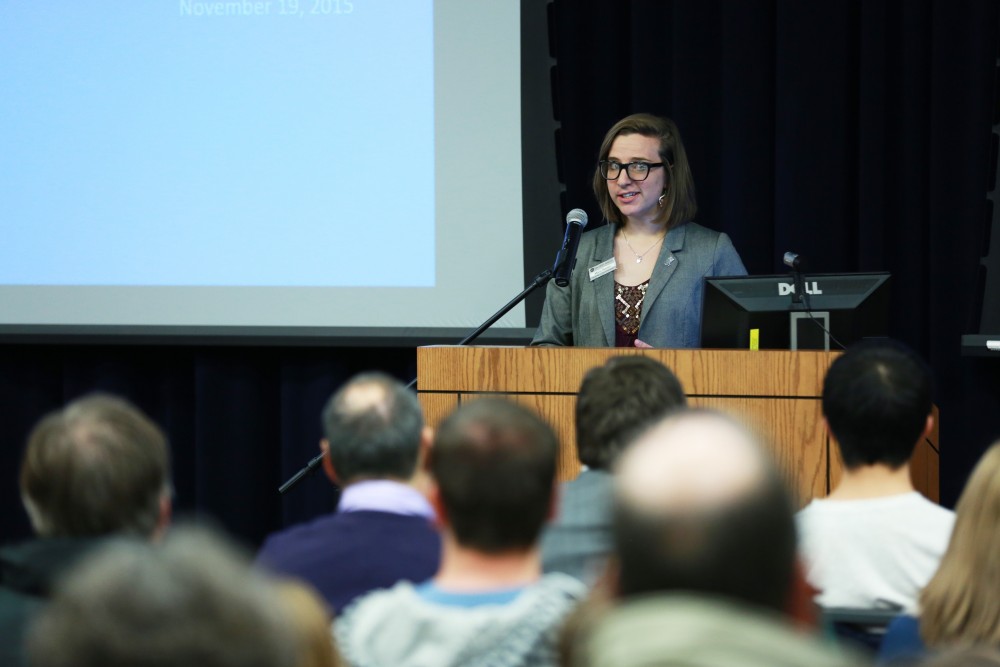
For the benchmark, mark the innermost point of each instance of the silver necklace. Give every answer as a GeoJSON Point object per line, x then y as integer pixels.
{"type": "Point", "coordinates": [638, 257]}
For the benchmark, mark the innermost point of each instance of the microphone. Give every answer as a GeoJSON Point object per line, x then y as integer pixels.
{"type": "Point", "coordinates": [793, 261]}
{"type": "Point", "coordinates": [576, 220]}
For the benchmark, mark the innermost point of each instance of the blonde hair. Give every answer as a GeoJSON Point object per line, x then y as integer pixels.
{"type": "Point", "coordinates": [960, 605]}
{"type": "Point", "coordinates": [311, 624]}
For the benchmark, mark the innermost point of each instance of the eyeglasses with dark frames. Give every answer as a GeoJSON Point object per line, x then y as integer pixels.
{"type": "Point", "coordinates": [637, 171]}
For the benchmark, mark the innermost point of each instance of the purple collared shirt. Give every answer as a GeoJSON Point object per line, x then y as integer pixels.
{"type": "Point", "coordinates": [383, 495]}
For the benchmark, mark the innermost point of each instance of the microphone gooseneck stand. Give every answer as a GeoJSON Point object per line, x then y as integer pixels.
{"type": "Point", "coordinates": [539, 281]}
{"type": "Point", "coordinates": [297, 477]}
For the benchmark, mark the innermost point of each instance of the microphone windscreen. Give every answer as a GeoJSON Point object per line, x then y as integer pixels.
{"type": "Point", "coordinates": [577, 217]}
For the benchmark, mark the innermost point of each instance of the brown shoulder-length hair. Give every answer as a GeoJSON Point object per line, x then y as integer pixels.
{"type": "Point", "coordinates": [960, 605]}
{"type": "Point", "coordinates": [680, 205]}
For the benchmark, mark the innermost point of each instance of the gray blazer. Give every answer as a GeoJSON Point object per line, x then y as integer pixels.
{"type": "Point", "coordinates": [583, 312]}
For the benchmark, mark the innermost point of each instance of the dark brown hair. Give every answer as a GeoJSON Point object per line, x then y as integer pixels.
{"type": "Point", "coordinates": [617, 399]}
{"type": "Point", "coordinates": [495, 463]}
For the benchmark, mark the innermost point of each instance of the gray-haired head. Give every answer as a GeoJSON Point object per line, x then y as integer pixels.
{"type": "Point", "coordinates": [373, 425]}
{"type": "Point", "coordinates": [193, 600]}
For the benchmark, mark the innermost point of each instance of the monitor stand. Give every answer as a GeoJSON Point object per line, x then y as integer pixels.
{"type": "Point", "coordinates": [806, 334]}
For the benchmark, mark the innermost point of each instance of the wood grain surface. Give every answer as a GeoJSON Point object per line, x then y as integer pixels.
{"type": "Point", "coordinates": [776, 393]}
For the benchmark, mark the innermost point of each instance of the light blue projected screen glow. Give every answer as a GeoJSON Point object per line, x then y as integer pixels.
{"type": "Point", "coordinates": [186, 143]}
{"type": "Point", "coordinates": [261, 163]}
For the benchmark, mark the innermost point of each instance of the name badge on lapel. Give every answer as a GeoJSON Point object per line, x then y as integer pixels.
{"type": "Point", "coordinates": [607, 266]}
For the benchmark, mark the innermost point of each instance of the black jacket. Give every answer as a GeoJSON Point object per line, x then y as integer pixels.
{"type": "Point", "coordinates": [28, 572]}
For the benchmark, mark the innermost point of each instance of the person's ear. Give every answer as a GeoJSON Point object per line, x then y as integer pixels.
{"type": "Point", "coordinates": [421, 478]}
{"type": "Point", "coordinates": [928, 427]}
{"type": "Point", "coordinates": [440, 512]}
{"type": "Point", "coordinates": [164, 516]}
{"type": "Point", "coordinates": [328, 469]}
{"type": "Point", "coordinates": [426, 442]}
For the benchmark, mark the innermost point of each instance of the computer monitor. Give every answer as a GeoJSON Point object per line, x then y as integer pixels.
{"type": "Point", "coordinates": [759, 312]}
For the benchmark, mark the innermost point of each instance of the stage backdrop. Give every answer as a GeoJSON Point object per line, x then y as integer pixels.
{"type": "Point", "coordinates": [857, 134]}
{"type": "Point", "coordinates": [854, 133]}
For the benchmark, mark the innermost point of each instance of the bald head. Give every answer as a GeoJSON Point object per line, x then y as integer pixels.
{"type": "Point", "coordinates": [699, 508]}
{"type": "Point", "coordinates": [373, 426]}
{"type": "Point", "coordinates": [698, 460]}
{"type": "Point", "coordinates": [367, 394]}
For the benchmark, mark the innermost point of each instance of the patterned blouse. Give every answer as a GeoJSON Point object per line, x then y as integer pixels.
{"type": "Point", "coordinates": [628, 308]}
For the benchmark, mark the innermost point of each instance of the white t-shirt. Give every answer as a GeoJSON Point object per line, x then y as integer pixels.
{"type": "Point", "coordinates": [857, 552]}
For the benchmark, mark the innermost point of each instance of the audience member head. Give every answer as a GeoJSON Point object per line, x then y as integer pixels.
{"type": "Point", "coordinates": [99, 466]}
{"type": "Point", "coordinates": [310, 620]}
{"type": "Point", "coordinates": [374, 428]}
{"type": "Point", "coordinates": [877, 402]}
{"type": "Point", "coordinates": [961, 605]}
{"type": "Point", "coordinates": [494, 465]}
{"type": "Point", "coordinates": [700, 509]}
{"type": "Point", "coordinates": [680, 203]}
{"type": "Point", "coordinates": [190, 601]}
{"type": "Point", "coordinates": [618, 399]}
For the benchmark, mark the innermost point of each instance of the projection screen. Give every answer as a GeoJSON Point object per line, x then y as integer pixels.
{"type": "Point", "coordinates": [259, 163]}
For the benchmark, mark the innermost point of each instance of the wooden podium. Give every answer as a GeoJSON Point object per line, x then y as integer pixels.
{"type": "Point", "coordinates": [775, 392]}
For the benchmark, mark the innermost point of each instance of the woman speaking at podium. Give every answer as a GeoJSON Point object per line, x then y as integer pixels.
{"type": "Point", "coordinates": [638, 279]}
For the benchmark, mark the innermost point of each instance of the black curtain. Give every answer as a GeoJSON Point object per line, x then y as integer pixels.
{"type": "Point", "coordinates": [856, 133]}
{"type": "Point", "coordinates": [240, 419]}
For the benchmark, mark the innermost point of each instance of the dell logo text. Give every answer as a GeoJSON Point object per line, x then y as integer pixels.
{"type": "Point", "coordinates": [789, 288]}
